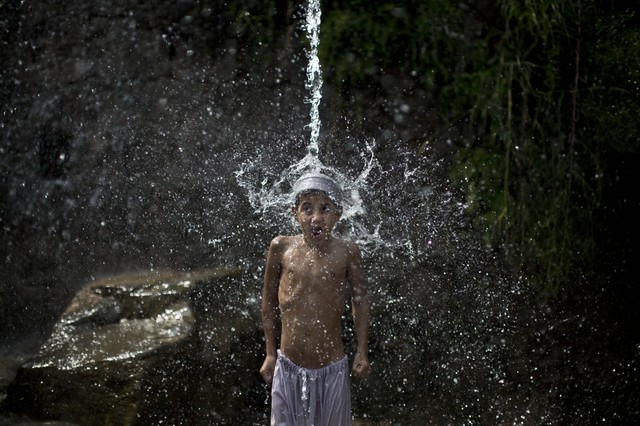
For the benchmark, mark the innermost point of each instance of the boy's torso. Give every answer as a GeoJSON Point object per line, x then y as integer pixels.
{"type": "Point", "coordinates": [312, 296]}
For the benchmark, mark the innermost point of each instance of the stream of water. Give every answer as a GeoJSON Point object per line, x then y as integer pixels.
{"type": "Point", "coordinates": [314, 72]}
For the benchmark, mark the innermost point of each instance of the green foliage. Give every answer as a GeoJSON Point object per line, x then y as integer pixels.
{"type": "Point", "coordinates": [551, 89]}
{"type": "Point", "coordinates": [550, 115]}
{"type": "Point", "coordinates": [361, 39]}
{"type": "Point", "coordinates": [611, 98]}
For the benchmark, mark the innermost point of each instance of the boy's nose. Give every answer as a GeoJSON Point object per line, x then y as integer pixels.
{"type": "Point", "coordinates": [316, 217]}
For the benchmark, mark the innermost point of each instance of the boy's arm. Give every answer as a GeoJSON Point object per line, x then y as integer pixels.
{"type": "Point", "coordinates": [270, 306]}
{"type": "Point", "coordinates": [360, 309]}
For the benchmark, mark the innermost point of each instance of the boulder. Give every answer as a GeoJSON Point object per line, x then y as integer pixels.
{"type": "Point", "coordinates": [149, 348]}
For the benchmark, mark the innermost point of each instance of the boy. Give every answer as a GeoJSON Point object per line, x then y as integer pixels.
{"type": "Point", "coordinates": [307, 280]}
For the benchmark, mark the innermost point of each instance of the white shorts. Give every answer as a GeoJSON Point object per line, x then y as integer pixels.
{"type": "Point", "coordinates": [310, 397]}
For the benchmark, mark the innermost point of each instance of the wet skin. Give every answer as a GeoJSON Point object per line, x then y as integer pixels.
{"type": "Point", "coordinates": [306, 284]}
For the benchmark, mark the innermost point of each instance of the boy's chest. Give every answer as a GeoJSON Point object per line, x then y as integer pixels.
{"type": "Point", "coordinates": [312, 276]}
{"type": "Point", "coordinates": [313, 266]}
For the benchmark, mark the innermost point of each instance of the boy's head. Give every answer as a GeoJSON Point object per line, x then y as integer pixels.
{"type": "Point", "coordinates": [312, 183]}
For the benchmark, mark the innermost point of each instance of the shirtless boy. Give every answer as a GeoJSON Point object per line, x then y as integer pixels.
{"type": "Point", "coordinates": [307, 280]}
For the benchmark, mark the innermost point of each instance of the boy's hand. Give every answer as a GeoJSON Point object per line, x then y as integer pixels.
{"type": "Point", "coordinates": [266, 371]}
{"type": "Point", "coordinates": [361, 366]}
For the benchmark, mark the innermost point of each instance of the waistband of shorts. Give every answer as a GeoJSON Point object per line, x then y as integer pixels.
{"type": "Point", "coordinates": [292, 367]}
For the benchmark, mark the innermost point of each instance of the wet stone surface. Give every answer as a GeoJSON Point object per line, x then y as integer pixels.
{"type": "Point", "coordinates": [145, 348]}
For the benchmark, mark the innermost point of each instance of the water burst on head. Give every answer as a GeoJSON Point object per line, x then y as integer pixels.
{"type": "Point", "coordinates": [270, 195]}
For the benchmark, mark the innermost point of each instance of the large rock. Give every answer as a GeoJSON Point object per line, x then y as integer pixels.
{"type": "Point", "coordinates": [149, 348]}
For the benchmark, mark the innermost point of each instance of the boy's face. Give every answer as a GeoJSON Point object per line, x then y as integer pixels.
{"type": "Point", "coordinates": [317, 214]}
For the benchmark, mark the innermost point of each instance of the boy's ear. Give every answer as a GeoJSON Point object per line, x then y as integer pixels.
{"type": "Point", "coordinates": [293, 210]}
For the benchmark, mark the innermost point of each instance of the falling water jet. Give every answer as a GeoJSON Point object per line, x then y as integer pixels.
{"type": "Point", "coordinates": [314, 72]}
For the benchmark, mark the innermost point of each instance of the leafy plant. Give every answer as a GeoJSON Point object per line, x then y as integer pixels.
{"type": "Point", "coordinates": [550, 90]}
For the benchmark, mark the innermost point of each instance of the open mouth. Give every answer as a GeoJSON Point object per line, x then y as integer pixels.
{"type": "Point", "coordinates": [316, 231]}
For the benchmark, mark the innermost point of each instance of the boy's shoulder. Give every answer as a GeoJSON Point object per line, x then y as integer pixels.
{"type": "Point", "coordinates": [351, 247]}
{"type": "Point", "coordinates": [281, 242]}
{"type": "Point", "coordinates": [283, 239]}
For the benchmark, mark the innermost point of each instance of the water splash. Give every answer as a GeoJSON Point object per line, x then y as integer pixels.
{"type": "Point", "coordinates": [269, 193]}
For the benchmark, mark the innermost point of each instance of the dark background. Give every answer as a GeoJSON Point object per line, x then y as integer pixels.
{"type": "Point", "coordinates": [124, 122]}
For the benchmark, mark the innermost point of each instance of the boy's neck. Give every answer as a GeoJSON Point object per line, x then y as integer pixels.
{"type": "Point", "coordinates": [318, 246]}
